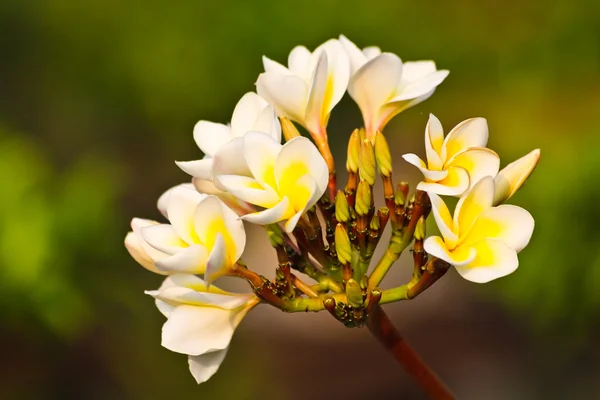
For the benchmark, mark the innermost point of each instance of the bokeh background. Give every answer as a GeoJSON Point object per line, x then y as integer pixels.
{"type": "Point", "coordinates": [97, 99]}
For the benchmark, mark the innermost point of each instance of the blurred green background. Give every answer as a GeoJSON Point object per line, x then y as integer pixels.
{"type": "Point", "coordinates": [98, 98]}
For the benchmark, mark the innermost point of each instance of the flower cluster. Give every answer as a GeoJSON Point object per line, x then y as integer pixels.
{"type": "Point", "coordinates": [247, 175]}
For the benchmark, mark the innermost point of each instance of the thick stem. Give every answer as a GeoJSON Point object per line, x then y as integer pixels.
{"type": "Point", "coordinates": [382, 328]}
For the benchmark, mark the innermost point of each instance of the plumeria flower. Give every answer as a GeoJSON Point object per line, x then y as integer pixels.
{"type": "Point", "coordinates": [201, 320]}
{"type": "Point", "coordinates": [204, 237]}
{"type": "Point", "coordinates": [481, 241]}
{"type": "Point", "coordinates": [457, 162]}
{"type": "Point", "coordinates": [252, 113]}
{"type": "Point", "coordinates": [383, 86]}
{"type": "Point", "coordinates": [286, 180]}
{"type": "Point", "coordinates": [237, 205]}
{"type": "Point", "coordinates": [514, 175]}
{"type": "Point", "coordinates": [309, 87]}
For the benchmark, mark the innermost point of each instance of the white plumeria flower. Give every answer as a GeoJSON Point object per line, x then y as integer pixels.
{"type": "Point", "coordinates": [286, 180]}
{"type": "Point", "coordinates": [204, 237]}
{"type": "Point", "coordinates": [457, 162]}
{"type": "Point", "coordinates": [201, 320]}
{"type": "Point", "coordinates": [481, 241]}
{"type": "Point", "coordinates": [252, 113]}
{"type": "Point", "coordinates": [383, 86]}
{"type": "Point", "coordinates": [237, 205]}
{"type": "Point", "coordinates": [307, 90]}
{"type": "Point", "coordinates": [514, 175]}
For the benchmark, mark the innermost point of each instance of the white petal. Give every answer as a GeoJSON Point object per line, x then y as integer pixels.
{"type": "Point", "coordinates": [300, 157]}
{"type": "Point", "coordinates": [163, 200]}
{"type": "Point", "coordinates": [201, 169]}
{"type": "Point", "coordinates": [267, 122]}
{"type": "Point", "coordinates": [420, 87]}
{"type": "Point", "coordinates": [218, 261]}
{"type": "Point", "coordinates": [177, 295]}
{"type": "Point", "coordinates": [134, 247]}
{"type": "Point", "coordinates": [210, 136]}
{"type": "Point", "coordinates": [197, 330]}
{"type": "Point", "coordinates": [510, 179]}
{"type": "Point", "coordinates": [164, 308]}
{"type": "Point", "coordinates": [434, 139]}
{"type": "Point", "coordinates": [302, 202]}
{"type": "Point", "coordinates": [246, 113]}
{"type": "Point", "coordinates": [472, 204]}
{"type": "Point", "coordinates": [371, 52]}
{"type": "Point", "coordinates": [181, 209]}
{"type": "Point", "coordinates": [277, 213]}
{"type": "Point", "coordinates": [249, 190]}
{"type": "Point", "coordinates": [338, 73]}
{"type": "Point", "coordinates": [195, 283]}
{"type": "Point", "coordinates": [204, 366]}
{"type": "Point", "coordinates": [433, 176]}
{"type": "Point", "coordinates": [275, 67]}
{"type": "Point", "coordinates": [479, 162]}
{"type": "Point", "coordinates": [316, 113]}
{"type": "Point", "coordinates": [470, 133]}
{"type": "Point", "coordinates": [494, 260]}
{"type": "Point", "coordinates": [298, 61]}
{"type": "Point", "coordinates": [455, 184]}
{"type": "Point", "coordinates": [190, 260]}
{"type": "Point", "coordinates": [511, 224]}
{"type": "Point", "coordinates": [356, 56]}
{"type": "Point", "coordinates": [416, 70]}
{"type": "Point", "coordinates": [443, 219]}
{"type": "Point", "coordinates": [261, 151]}
{"type": "Point", "coordinates": [373, 85]}
{"type": "Point", "coordinates": [288, 94]}
{"type": "Point", "coordinates": [163, 238]}
{"type": "Point", "coordinates": [435, 246]}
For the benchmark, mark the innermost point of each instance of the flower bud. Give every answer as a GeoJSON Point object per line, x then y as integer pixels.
{"type": "Point", "coordinates": [382, 155]}
{"type": "Point", "coordinates": [512, 177]}
{"type": "Point", "coordinates": [342, 210]}
{"type": "Point", "coordinates": [399, 198]}
{"type": "Point", "coordinates": [275, 235]}
{"type": "Point", "coordinates": [289, 129]}
{"type": "Point", "coordinates": [354, 294]}
{"type": "Point", "coordinates": [420, 229]}
{"type": "Point", "coordinates": [342, 245]}
{"type": "Point", "coordinates": [353, 160]}
{"type": "Point", "coordinates": [363, 198]}
{"type": "Point", "coordinates": [375, 224]}
{"type": "Point", "coordinates": [368, 166]}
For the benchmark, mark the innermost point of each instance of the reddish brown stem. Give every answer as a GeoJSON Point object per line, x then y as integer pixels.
{"type": "Point", "coordinates": [382, 328]}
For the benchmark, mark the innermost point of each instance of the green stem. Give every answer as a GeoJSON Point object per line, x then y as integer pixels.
{"type": "Point", "coordinates": [398, 242]}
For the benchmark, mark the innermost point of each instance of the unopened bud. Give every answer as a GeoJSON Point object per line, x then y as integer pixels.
{"type": "Point", "coordinates": [403, 187]}
{"type": "Point", "coordinates": [363, 198]}
{"type": "Point", "coordinates": [375, 224]}
{"type": "Point", "coordinates": [399, 198]}
{"type": "Point", "coordinates": [289, 129]}
{"type": "Point", "coordinates": [420, 229]}
{"type": "Point", "coordinates": [353, 160]}
{"type": "Point", "coordinates": [354, 293]}
{"type": "Point", "coordinates": [368, 166]}
{"type": "Point", "coordinates": [342, 245]}
{"type": "Point", "coordinates": [382, 155]}
{"type": "Point", "coordinates": [275, 235]}
{"type": "Point", "coordinates": [342, 210]}
{"type": "Point", "coordinates": [514, 175]}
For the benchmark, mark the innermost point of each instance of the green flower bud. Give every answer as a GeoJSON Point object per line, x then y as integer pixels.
{"type": "Point", "coordinates": [342, 210]}
{"type": "Point", "coordinates": [289, 129]}
{"type": "Point", "coordinates": [354, 293]}
{"type": "Point", "coordinates": [420, 229]}
{"type": "Point", "coordinates": [382, 155]}
{"type": "Point", "coordinates": [275, 235]}
{"type": "Point", "coordinates": [368, 166]}
{"type": "Point", "coordinates": [353, 160]}
{"type": "Point", "coordinates": [342, 244]}
{"type": "Point", "coordinates": [363, 198]}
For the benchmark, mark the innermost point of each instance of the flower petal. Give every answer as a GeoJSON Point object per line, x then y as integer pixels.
{"type": "Point", "coordinates": [434, 139]}
{"type": "Point", "coordinates": [338, 74]}
{"type": "Point", "coordinates": [190, 260]}
{"type": "Point", "coordinates": [135, 249]}
{"type": "Point", "coordinates": [455, 184]}
{"type": "Point", "coordinates": [163, 238]}
{"type": "Point", "coordinates": [201, 169]}
{"type": "Point", "coordinates": [356, 56]}
{"type": "Point", "coordinates": [246, 113]}
{"type": "Point", "coordinates": [287, 93]}
{"type": "Point", "coordinates": [420, 87]}
{"type": "Point", "coordinates": [479, 162]}
{"type": "Point", "coordinates": [494, 259]}
{"type": "Point", "coordinates": [510, 179]}
{"type": "Point", "coordinates": [306, 196]}
{"type": "Point", "coordinates": [218, 261]}
{"type": "Point", "coordinates": [432, 176]}
{"type": "Point", "coordinates": [277, 213]}
{"type": "Point", "coordinates": [210, 136]}
{"type": "Point", "coordinates": [318, 97]}
{"type": "Point", "coordinates": [261, 151]}
{"type": "Point", "coordinates": [462, 255]}
{"type": "Point", "coordinates": [472, 204]}
{"type": "Point", "coordinates": [443, 220]}
{"type": "Point", "coordinates": [230, 160]}
{"type": "Point", "coordinates": [204, 366]}
{"type": "Point", "coordinates": [249, 190]}
{"type": "Point", "coordinates": [511, 224]}
{"type": "Point", "coordinates": [163, 200]}
{"type": "Point", "coordinates": [181, 209]}
{"type": "Point", "coordinates": [298, 61]}
{"type": "Point", "coordinates": [275, 67]}
{"type": "Point", "coordinates": [472, 132]}
{"type": "Point", "coordinates": [371, 52]}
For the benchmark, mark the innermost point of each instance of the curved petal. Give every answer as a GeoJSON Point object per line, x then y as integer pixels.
{"type": "Point", "coordinates": [190, 260]}
{"type": "Point", "coordinates": [249, 190]}
{"type": "Point", "coordinates": [287, 93]}
{"type": "Point", "coordinates": [434, 139]}
{"type": "Point", "coordinates": [204, 366]}
{"type": "Point", "coordinates": [472, 204]}
{"type": "Point", "coordinates": [510, 179]}
{"type": "Point", "coordinates": [494, 260]}
{"type": "Point", "coordinates": [511, 224]}
{"type": "Point", "coordinates": [373, 85]}
{"type": "Point", "coordinates": [319, 96]}
{"type": "Point", "coordinates": [472, 132]}
{"type": "Point", "coordinates": [163, 238]}
{"type": "Point", "coordinates": [279, 212]}
{"type": "Point", "coordinates": [197, 330]}
{"type": "Point", "coordinates": [300, 157]}
{"type": "Point", "coordinates": [338, 74]}
{"type": "Point", "coordinates": [275, 67]}
{"type": "Point", "coordinates": [230, 160]}
{"type": "Point", "coordinates": [455, 184]}
{"type": "Point", "coordinates": [201, 169]}
{"type": "Point", "coordinates": [267, 122]}
{"type": "Point", "coordinates": [355, 55]}
{"type": "Point", "coordinates": [135, 249]}
{"type": "Point", "coordinates": [210, 136]}
{"type": "Point", "coordinates": [371, 52]}
{"type": "Point", "coordinates": [420, 87]}
{"type": "Point", "coordinates": [178, 295]}
{"type": "Point", "coordinates": [261, 151]}
{"type": "Point", "coordinates": [181, 209]}
{"type": "Point", "coordinates": [218, 261]}
{"type": "Point", "coordinates": [479, 162]}
{"type": "Point", "coordinates": [246, 113]}
{"type": "Point", "coordinates": [416, 70]}
{"type": "Point", "coordinates": [163, 200]}
{"type": "Point", "coordinates": [429, 175]}
{"type": "Point", "coordinates": [194, 283]}
{"type": "Point", "coordinates": [305, 197]}
{"type": "Point", "coordinates": [462, 255]}
{"type": "Point", "coordinates": [137, 224]}
{"type": "Point", "coordinates": [443, 220]}
{"type": "Point", "coordinates": [298, 61]}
